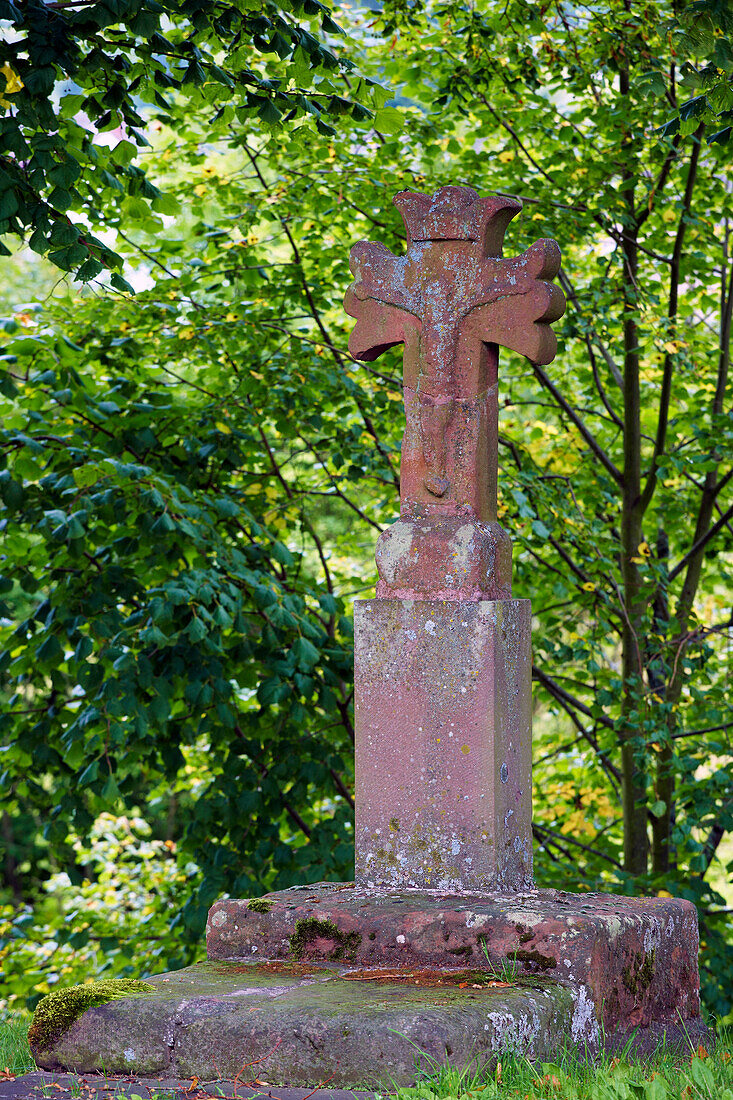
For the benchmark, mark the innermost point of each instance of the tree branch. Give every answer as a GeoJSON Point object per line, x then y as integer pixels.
{"type": "Point", "coordinates": [572, 415]}
{"type": "Point", "coordinates": [697, 547]}
{"type": "Point", "coordinates": [672, 308]}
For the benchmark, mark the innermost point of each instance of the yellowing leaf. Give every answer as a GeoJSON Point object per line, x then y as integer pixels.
{"type": "Point", "coordinates": [13, 83]}
{"type": "Point", "coordinates": [506, 156]}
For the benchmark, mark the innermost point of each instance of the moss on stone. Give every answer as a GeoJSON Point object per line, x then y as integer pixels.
{"type": "Point", "coordinates": [646, 971]}
{"type": "Point", "coordinates": [544, 962]}
{"type": "Point", "coordinates": [56, 1012]}
{"type": "Point", "coordinates": [346, 944]}
{"type": "Point", "coordinates": [259, 905]}
{"type": "Point", "coordinates": [639, 972]}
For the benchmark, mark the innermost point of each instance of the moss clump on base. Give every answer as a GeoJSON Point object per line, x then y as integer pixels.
{"type": "Point", "coordinates": [57, 1012]}
{"type": "Point", "coordinates": [466, 949]}
{"type": "Point", "coordinates": [259, 905]}
{"type": "Point", "coordinates": [639, 972]}
{"type": "Point", "coordinates": [346, 944]}
{"type": "Point", "coordinates": [544, 962]}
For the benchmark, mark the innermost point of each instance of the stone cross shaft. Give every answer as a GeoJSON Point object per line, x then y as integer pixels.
{"type": "Point", "coordinates": [442, 656]}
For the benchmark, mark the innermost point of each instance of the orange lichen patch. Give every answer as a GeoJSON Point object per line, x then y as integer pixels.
{"type": "Point", "coordinates": [294, 969]}
{"type": "Point", "coordinates": [463, 979]}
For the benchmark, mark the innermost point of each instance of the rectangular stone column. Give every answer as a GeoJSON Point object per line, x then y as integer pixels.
{"type": "Point", "coordinates": [443, 744]}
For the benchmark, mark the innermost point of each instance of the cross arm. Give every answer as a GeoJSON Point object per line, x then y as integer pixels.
{"type": "Point", "coordinates": [379, 300]}
{"type": "Point", "coordinates": [522, 304]}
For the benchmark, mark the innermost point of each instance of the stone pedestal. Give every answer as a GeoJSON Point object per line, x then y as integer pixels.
{"type": "Point", "coordinates": [443, 744]}
{"type": "Point", "coordinates": [630, 963]}
{"type": "Point", "coordinates": [345, 985]}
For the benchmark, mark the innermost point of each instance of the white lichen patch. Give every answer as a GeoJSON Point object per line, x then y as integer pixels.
{"type": "Point", "coordinates": [514, 1033]}
{"type": "Point", "coordinates": [477, 920]}
{"type": "Point", "coordinates": [219, 918]}
{"type": "Point", "coordinates": [613, 924]}
{"type": "Point", "coordinates": [652, 938]}
{"type": "Point", "coordinates": [584, 1026]}
{"type": "Point", "coordinates": [526, 917]}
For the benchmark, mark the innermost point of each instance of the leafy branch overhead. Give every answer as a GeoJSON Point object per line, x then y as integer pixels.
{"type": "Point", "coordinates": [80, 82]}
{"type": "Point", "coordinates": [701, 35]}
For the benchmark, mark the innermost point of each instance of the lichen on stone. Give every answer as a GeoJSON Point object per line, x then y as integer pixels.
{"type": "Point", "coordinates": [56, 1012]}
{"type": "Point", "coordinates": [259, 905]}
{"type": "Point", "coordinates": [639, 972]}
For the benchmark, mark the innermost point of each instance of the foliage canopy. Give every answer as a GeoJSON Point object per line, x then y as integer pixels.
{"type": "Point", "coordinates": [81, 83]}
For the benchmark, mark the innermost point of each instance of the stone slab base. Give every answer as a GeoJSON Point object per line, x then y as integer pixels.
{"type": "Point", "coordinates": [301, 1024]}
{"type": "Point", "coordinates": [631, 962]}
{"type": "Point", "coordinates": [349, 987]}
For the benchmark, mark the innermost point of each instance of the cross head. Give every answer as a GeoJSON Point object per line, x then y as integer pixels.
{"type": "Point", "coordinates": [452, 300]}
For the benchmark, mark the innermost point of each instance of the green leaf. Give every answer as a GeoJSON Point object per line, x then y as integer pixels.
{"type": "Point", "coordinates": [120, 284]}
{"type": "Point", "coordinates": [388, 120]}
{"type": "Point", "coordinates": [306, 654]}
{"type": "Point", "coordinates": [166, 204]}
{"type": "Point", "coordinates": [89, 775]}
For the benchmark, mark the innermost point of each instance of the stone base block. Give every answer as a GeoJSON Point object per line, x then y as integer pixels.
{"type": "Point", "coordinates": [443, 744]}
{"type": "Point", "coordinates": [631, 963]}
{"type": "Point", "coordinates": [353, 987]}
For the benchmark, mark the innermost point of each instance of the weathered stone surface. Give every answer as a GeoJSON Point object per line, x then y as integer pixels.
{"type": "Point", "coordinates": [631, 962]}
{"type": "Point", "coordinates": [443, 744]}
{"type": "Point", "coordinates": [101, 1039]}
{"type": "Point", "coordinates": [300, 1025]}
{"type": "Point", "coordinates": [452, 299]}
{"type": "Point", "coordinates": [453, 557]}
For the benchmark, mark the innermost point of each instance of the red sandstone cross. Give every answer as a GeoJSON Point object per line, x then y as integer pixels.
{"type": "Point", "coordinates": [452, 300]}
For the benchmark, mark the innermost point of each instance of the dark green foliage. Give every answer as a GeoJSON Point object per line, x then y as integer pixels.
{"type": "Point", "coordinates": [81, 83]}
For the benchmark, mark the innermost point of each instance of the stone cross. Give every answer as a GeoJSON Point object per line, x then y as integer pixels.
{"type": "Point", "coordinates": [443, 663]}
{"type": "Point", "coordinates": [451, 299]}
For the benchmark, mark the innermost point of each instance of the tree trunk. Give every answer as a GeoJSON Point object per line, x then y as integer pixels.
{"type": "Point", "coordinates": [636, 841]}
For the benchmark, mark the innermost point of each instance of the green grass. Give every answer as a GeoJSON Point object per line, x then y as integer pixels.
{"type": "Point", "coordinates": [15, 1054]}
{"type": "Point", "coordinates": [696, 1076]}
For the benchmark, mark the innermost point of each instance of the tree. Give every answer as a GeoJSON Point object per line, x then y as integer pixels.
{"type": "Point", "coordinates": [81, 81]}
